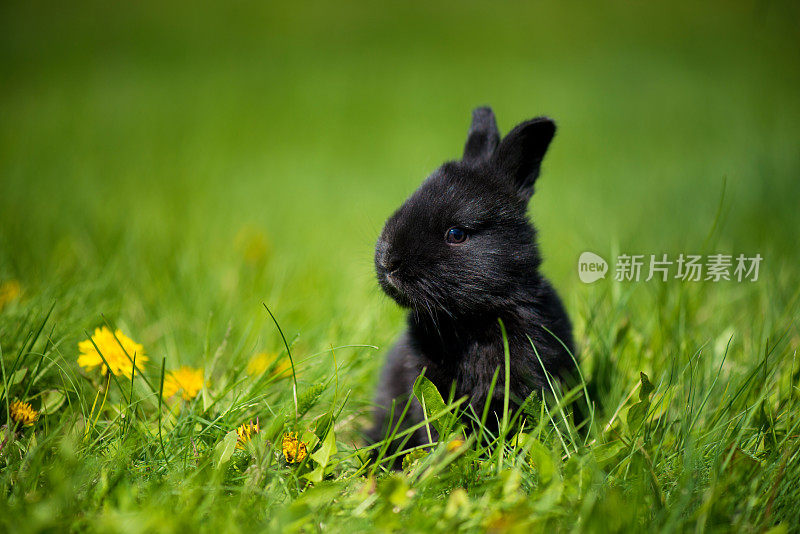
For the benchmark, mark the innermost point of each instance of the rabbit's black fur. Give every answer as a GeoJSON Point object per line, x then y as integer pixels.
{"type": "Point", "coordinates": [457, 291]}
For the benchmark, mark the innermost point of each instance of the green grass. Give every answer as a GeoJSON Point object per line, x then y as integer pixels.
{"type": "Point", "coordinates": [170, 169]}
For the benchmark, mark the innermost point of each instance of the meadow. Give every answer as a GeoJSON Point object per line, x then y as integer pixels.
{"type": "Point", "coordinates": [202, 186]}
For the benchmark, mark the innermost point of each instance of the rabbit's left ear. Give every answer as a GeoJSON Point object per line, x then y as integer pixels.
{"type": "Point", "coordinates": [483, 136]}
{"type": "Point", "coordinates": [520, 153]}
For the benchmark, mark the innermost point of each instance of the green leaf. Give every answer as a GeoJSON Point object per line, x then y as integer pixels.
{"type": "Point", "coordinates": [320, 495]}
{"type": "Point", "coordinates": [778, 529]}
{"type": "Point", "coordinates": [328, 448]}
{"type": "Point", "coordinates": [519, 439]}
{"type": "Point", "coordinates": [542, 460]}
{"type": "Point", "coordinates": [322, 424]}
{"type": "Point", "coordinates": [431, 400]}
{"type": "Point", "coordinates": [17, 377]}
{"type": "Point", "coordinates": [224, 449]}
{"type": "Point", "coordinates": [637, 414]}
{"type": "Point", "coordinates": [52, 399]}
{"type": "Point", "coordinates": [661, 403]}
{"type": "Point", "coordinates": [322, 456]}
{"type": "Point", "coordinates": [646, 389]}
{"type": "Point", "coordinates": [607, 453]}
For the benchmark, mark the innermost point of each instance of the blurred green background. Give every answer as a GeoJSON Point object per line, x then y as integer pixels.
{"type": "Point", "coordinates": [174, 165]}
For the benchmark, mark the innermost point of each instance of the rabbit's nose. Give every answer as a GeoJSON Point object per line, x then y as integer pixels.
{"type": "Point", "coordinates": [383, 258]}
{"type": "Point", "coordinates": [386, 264]}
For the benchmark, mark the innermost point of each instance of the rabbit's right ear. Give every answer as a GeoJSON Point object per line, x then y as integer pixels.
{"type": "Point", "coordinates": [483, 136]}
{"type": "Point", "coordinates": [520, 153]}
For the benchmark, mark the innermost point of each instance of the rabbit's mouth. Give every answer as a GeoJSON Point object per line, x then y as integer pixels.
{"type": "Point", "coordinates": [393, 287]}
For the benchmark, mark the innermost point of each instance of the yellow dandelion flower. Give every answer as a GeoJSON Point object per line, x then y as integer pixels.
{"type": "Point", "coordinates": [245, 433]}
{"type": "Point", "coordinates": [262, 361]}
{"type": "Point", "coordinates": [118, 361]}
{"type": "Point", "coordinates": [454, 445]}
{"type": "Point", "coordinates": [9, 291]}
{"type": "Point", "coordinates": [23, 413]}
{"type": "Point", "coordinates": [188, 380]}
{"type": "Point", "coordinates": [283, 369]}
{"type": "Point", "coordinates": [294, 450]}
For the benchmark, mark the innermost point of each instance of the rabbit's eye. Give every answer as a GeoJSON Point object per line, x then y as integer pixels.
{"type": "Point", "coordinates": [455, 236]}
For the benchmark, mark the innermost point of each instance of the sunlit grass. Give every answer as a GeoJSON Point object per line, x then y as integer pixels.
{"type": "Point", "coordinates": [709, 439]}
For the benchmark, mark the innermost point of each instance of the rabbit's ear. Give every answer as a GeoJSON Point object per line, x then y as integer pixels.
{"type": "Point", "coordinates": [483, 136]}
{"type": "Point", "coordinates": [520, 153]}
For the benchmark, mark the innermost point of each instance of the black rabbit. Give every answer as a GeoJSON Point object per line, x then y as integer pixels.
{"type": "Point", "coordinates": [459, 254]}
